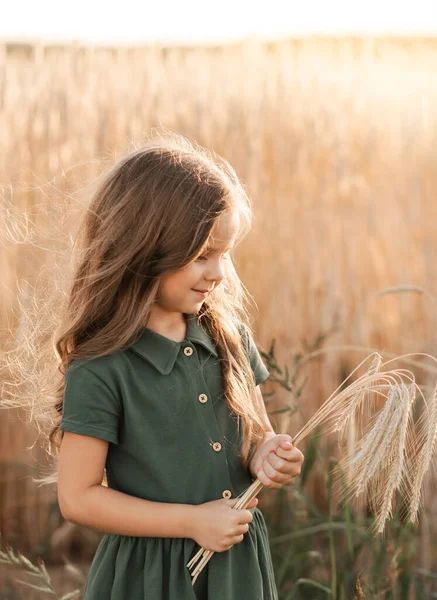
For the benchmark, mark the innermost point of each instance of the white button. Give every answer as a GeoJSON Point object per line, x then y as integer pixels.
{"type": "Point", "coordinates": [227, 493]}
{"type": "Point", "coordinates": [203, 398]}
{"type": "Point", "coordinates": [217, 446]}
{"type": "Point", "coordinates": [188, 351]}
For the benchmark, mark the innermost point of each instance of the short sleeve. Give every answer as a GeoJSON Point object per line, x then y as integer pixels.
{"type": "Point", "coordinates": [259, 369]}
{"type": "Point", "coordinates": [90, 406]}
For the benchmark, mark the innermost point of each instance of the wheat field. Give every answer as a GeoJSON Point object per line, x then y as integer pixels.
{"type": "Point", "coordinates": [335, 139]}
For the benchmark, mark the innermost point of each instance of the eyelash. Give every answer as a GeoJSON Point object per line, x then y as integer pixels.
{"type": "Point", "coordinates": [205, 256]}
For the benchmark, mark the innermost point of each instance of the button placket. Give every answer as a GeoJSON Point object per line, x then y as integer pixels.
{"type": "Point", "coordinates": [208, 417]}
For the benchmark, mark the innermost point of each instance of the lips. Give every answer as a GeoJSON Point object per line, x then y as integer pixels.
{"type": "Point", "coordinates": [203, 291]}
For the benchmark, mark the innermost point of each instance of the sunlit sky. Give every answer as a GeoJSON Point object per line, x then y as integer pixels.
{"type": "Point", "coordinates": [184, 21]}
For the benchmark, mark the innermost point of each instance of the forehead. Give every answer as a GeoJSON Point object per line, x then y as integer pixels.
{"type": "Point", "coordinates": [225, 231]}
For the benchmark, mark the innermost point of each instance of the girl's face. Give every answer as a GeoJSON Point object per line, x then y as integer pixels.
{"type": "Point", "coordinates": [177, 291]}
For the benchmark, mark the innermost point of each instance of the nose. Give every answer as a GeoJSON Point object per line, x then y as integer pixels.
{"type": "Point", "coordinates": [214, 272]}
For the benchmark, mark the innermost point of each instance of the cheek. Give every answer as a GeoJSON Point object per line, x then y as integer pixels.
{"type": "Point", "coordinates": [191, 274]}
{"type": "Point", "coordinates": [181, 281]}
{"type": "Point", "coordinates": [168, 286]}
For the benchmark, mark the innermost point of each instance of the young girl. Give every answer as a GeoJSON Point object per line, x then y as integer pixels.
{"type": "Point", "coordinates": [162, 385]}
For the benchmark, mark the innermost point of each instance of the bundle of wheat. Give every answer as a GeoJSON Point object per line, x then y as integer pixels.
{"type": "Point", "coordinates": [391, 452]}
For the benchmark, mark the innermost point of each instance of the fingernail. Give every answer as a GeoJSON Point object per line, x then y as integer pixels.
{"type": "Point", "coordinates": [288, 444]}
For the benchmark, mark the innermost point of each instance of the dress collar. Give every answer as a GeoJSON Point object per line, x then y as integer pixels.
{"type": "Point", "coordinates": [162, 352]}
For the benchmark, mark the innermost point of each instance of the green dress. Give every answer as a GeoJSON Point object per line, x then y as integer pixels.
{"type": "Point", "coordinates": [172, 437]}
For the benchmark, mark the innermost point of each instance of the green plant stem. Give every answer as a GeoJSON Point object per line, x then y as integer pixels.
{"type": "Point", "coordinates": [331, 539]}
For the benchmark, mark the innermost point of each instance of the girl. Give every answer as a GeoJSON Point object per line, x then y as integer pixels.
{"type": "Point", "coordinates": [161, 385]}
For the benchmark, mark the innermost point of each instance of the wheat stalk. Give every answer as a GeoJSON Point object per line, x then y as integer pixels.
{"type": "Point", "coordinates": [39, 571]}
{"type": "Point", "coordinates": [426, 441]}
{"type": "Point", "coordinates": [389, 449]}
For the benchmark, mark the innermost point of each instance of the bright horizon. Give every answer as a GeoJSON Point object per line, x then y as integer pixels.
{"type": "Point", "coordinates": [199, 21]}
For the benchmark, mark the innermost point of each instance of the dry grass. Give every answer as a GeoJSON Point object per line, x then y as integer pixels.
{"type": "Point", "coordinates": [334, 138]}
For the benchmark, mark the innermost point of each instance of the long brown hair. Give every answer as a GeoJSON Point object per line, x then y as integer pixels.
{"type": "Point", "coordinates": [151, 214]}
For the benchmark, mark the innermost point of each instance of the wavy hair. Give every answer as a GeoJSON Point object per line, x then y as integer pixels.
{"type": "Point", "coordinates": [151, 214]}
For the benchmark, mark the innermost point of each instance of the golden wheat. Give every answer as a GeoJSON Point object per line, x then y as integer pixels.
{"type": "Point", "coordinates": [381, 461]}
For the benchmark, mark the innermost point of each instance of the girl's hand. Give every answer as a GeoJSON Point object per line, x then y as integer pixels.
{"type": "Point", "coordinates": [217, 526]}
{"type": "Point", "coordinates": [277, 461]}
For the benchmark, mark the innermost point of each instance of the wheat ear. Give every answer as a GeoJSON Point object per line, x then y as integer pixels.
{"type": "Point", "coordinates": [426, 440]}
{"type": "Point", "coordinates": [379, 467]}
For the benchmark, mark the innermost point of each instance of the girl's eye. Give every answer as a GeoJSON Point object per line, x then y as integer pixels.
{"type": "Point", "coordinates": [225, 256]}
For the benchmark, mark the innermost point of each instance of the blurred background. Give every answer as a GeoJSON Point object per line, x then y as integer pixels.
{"type": "Point", "coordinates": [328, 112]}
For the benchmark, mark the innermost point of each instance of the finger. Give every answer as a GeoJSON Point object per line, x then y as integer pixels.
{"type": "Point", "coordinates": [285, 453]}
{"type": "Point", "coordinates": [286, 467]}
{"type": "Point", "coordinates": [294, 455]}
{"type": "Point", "coordinates": [252, 503]}
{"type": "Point", "coordinates": [235, 539]}
{"type": "Point", "coordinates": [244, 516]}
{"type": "Point", "coordinates": [278, 463]}
{"type": "Point", "coordinates": [264, 479]}
{"type": "Point", "coordinates": [300, 454]}
{"type": "Point", "coordinates": [244, 528]}
{"type": "Point", "coordinates": [284, 440]}
{"type": "Point", "coordinates": [272, 474]}
{"type": "Point", "coordinates": [270, 477]}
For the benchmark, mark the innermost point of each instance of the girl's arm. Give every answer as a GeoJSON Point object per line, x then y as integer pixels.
{"type": "Point", "coordinates": [83, 500]}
